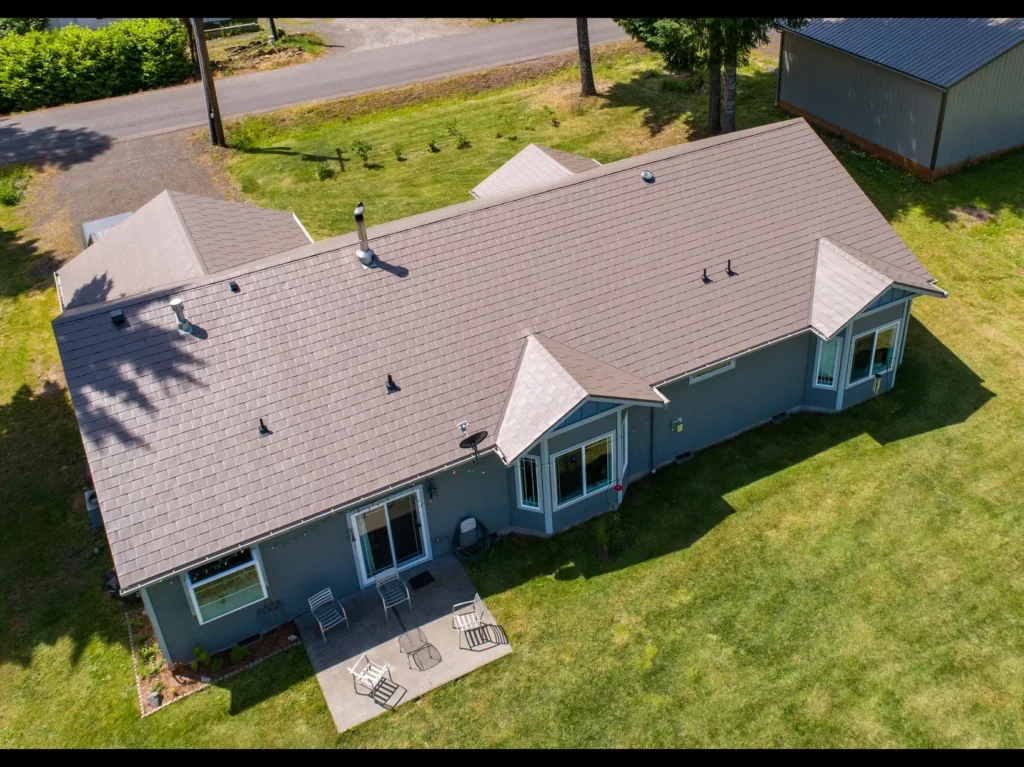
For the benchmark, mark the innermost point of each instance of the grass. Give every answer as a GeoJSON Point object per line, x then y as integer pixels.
{"type": "Point", "coordinates": [851, 580]}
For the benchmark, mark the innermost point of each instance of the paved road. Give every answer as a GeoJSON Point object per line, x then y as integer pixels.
{"type": "Point", "coordinates": [69, 130]}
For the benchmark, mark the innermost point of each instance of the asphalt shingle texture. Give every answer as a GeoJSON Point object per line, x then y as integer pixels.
{"type": "Point", "coordinates": [532, 166]}
{"type": "Point", "coordinates": [603, 263]}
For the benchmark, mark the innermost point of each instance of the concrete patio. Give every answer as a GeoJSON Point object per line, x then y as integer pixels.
{"type": "Point", "coordinates": [371, 634]}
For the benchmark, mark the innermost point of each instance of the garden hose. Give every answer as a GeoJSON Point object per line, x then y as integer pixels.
{"type": "Point", "coordinates": [481, 535]}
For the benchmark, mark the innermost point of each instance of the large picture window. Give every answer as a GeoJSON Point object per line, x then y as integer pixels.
{"type": "Point", "coordinates": [583, 470]}
{"type": "Point", "coordinates": [220, 588]}
{"type": "Point", "coordinates": [827, 371]}
{"type": "Point", "coordinates": [529, 482]}
{"type": "Point", "coordinates": [873, 353]}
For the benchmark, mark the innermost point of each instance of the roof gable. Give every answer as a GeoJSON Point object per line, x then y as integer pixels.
{"type": "Point", "coordinates": [938, 51]}
{"type": "Point", "coordinates": [550, 381]}
{"type": "Point", "coordinates": [175, 239]}
{"type": "Point", "coordinates": [532, 166]}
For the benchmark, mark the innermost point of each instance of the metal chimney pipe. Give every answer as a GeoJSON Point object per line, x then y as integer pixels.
{"type": "Point", "coordinates": [366, 257]}
{"type": "Point", "coordinates": [179, 311]}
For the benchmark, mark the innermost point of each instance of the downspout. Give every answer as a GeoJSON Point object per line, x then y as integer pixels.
{"type": "Point", "coordinates": [778, 80]}
{"type": "Point", "coordinates": [938, 131]}
{"type": "Point", "coordinates": [653, 468]}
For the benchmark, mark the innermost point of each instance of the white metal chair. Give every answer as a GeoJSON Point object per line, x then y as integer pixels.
{"type": "Point", "coordinates": [392, 589]}
{"type": "Point", "coordinates": [468, 616]}
{"type": "Point", "coordinates": [328, 611]}
{"type": "Point", "coordinates": [369, 674]}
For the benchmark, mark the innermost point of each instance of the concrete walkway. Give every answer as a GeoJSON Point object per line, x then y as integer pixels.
{"type": "Point", "coordinates": [371, 634]}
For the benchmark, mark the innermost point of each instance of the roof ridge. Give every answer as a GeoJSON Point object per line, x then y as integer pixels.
{"type": "Point", "coordinates": [389, 228]}
{"type": "Point", "coordinates": [841, 250]}
{"type": "Point", "coordinates": [189, 240]}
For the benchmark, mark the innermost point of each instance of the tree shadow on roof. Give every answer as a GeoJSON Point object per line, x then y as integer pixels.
{"type": "Point", "coordinates": [51, 582]}
{"type": "Point", "coordinates": [680, 504]}
{"type": "Point", "coordinates": [62, 147]}
{"type": "Point", "coordinates": [963, 197]}
{"type": "Point", "coordinates": [664, 98]}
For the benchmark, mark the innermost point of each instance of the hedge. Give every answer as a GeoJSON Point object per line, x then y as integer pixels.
{"type": "Point", "coordinates": [65, 66]}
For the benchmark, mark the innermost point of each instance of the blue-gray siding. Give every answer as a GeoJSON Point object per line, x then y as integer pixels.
{"type": "Point", "coordinates": [985, 111]}
{"type": "Point", "coordinates": [815, 398]}
{"type": "Point", "coordinates": [864, 391]}
{"type": "Point", "coordinates": [600, 501]}
{"type": "Point", "coordinates": [762, 384]}
{"type": "Point", "coordinates": [880, 105]}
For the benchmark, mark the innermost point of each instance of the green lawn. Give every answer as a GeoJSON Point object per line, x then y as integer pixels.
{"type": "Point", "coordinates": [830, 581]}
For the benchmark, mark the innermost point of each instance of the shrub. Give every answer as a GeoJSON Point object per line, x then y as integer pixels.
{"type": "Point", "coordinates": [65, 66]}
{"type": "Point", "coordinates": [15, 25]}
{"type": "Point", "coordinates": [152, 669]}
{"type": "Point", "coordinates": [158, 685]}
{"type": "Point", "coordinates": [549, 114]}
{"type": "Point", "coordinates": [432, 145]}
{"type": "Point", "coordinates": [461, 142]}
{"type": "Point", "coordinates": [398, 149]}
{"type": "Point", "coordinates": [239, 653]}
{"type": "Point", "coordinates": [215, 665]}
{"type": "Point", "coordinates": [362, 149]}
{"type": "Point", "coordinates": [324, 170]}
{"type": "Point", "coordinates": [202, 658]}
{"type": "Point", "coordinates": [13, 181]}
{"type": "Point", "coordinates": [136, 621]}
{"type": "Point", "coordinates": [149, 652]}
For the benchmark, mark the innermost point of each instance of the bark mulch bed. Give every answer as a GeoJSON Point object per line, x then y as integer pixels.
{"type": "Point", "coordinates": [176, 681]}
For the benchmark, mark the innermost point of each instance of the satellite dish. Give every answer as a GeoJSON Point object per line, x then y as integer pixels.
{"type": "Point", "coordinates": [472, 441]}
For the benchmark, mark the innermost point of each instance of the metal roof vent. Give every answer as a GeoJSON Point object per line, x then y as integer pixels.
{"type": "Point", "coordinates": [179, 311]}
{"type": "Point", "coordinates": [647, 176]}
{"type": "Point", "coordinates": [117, 317]}
{"type": "Point", "coordinates": [366, 256]}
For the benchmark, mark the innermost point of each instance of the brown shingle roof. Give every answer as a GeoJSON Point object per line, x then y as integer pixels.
{"type": "Point", "coordinates": [532, 166]}
{"type": "Point", "coordinates": [175, 238]}
{"type": "Point", "coordinates": [550, 381]}
{"type": "Point", "coordinates": [601, 262]}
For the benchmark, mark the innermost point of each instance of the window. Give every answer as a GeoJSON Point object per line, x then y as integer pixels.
{"type": "Point", "coordinates": [829, 355]}
{"type": "Point", "coordinates": [583, 470]}
{"type": "Point", "coordinates": [529, 498]}
{"type": "Point", "coordinates": [226, 585]}
{"type": "Point", "coordinates": [624, 442]}
{"type": "Point", "coordinates": [873, 352]}
{"type": "Point", "coordinates": [712, 371]}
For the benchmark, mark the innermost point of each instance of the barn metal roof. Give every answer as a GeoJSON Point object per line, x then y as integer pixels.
{"type": "Point", "coordinates": [938, 51]}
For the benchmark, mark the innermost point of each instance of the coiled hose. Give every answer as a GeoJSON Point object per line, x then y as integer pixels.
{"type": "Point", "coordinates": [475, 551]}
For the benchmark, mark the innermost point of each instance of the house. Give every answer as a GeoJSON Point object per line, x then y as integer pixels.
{"type": "Point", "coordinates": [926, 94]}
{"type": "Point", "coordinates": [533, 165]}
{"type": "Point", "coordinates": [260, 427]}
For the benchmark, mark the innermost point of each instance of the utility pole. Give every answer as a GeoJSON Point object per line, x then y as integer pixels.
{"type": "Point", "coordinates": [273, 31]}
{"type": "Point", "coordinates": [209, 92]}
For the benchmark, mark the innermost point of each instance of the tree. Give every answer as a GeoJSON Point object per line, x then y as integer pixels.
{"type": "Point", "coordinates": [13, 25]}
{"type": "Point", "coordinates": [587, 87]}
{"type": "Point", "coordinates": [192, 50]}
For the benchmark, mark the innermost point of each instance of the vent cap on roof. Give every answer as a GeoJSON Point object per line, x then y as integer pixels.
{"type": "Point", "coordinates": [366, 256]}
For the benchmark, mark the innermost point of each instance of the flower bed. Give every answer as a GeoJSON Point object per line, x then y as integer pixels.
{"type": "Point", "coordinates": [175, 681]}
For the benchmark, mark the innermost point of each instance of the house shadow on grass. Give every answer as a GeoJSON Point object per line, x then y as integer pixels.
{"type": "Point", "coordinates": [272, 677]}
{"type": "Point", "coordinates": [51, 577]}
{"type": "Point", "coordinates": [678, 505]}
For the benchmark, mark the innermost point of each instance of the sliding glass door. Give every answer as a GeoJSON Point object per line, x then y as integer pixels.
{"type": "Point", "coordinates": [392, 534]}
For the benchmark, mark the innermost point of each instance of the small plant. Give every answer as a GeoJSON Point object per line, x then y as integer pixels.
{"type": "Point", "coordinates": [362, 149]}
{"type": "Point", "coordinates": [399, 151]}
{"type": "Point", "coordinates": [324, 170]}
{"type": "Point", "coordinates": [149, 652]}
{"type": "Point", "coordinates": [157, 686]}
{"type": "Point", "coordinates": [239, 653]}
{"type": "Point", "coordinates": [549, 114]}
{"type": "Point", "coordinates": [202, 658]}
{"type": "Point", "coordinates": [136, 622]}
{"type": "Point", "coordinates": [452, 126]}
{"type": "Point", "coordinates": [152, 669]}
{"type": "Point", "coordinates": [461, 142]}
{"type": "Point", "coordinates": [432, 145]}
{"type": "Point", "coordinates": [215, 665]}
{"type": "Point", "coordinates": [247, 132]}
{"type": "Point", "coordinates": [577, 107]}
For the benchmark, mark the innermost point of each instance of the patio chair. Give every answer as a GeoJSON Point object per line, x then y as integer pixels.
{"type": "Point", "coordinates": [392, 589]}
{"type": "Point", "coordinates": [328, 611]}
{"type": "Point", "coordinates": [468, 616]}
{"type": "Point", "coordinates": [369, 674]}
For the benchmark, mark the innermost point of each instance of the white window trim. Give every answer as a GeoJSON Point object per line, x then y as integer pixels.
{"type": "Point", "coordinates": [874, 342]}
{"type": "Point", "coordinates": [519, 483]}
{"type": "Point", "coordinates": [838, 364]}
{"type": "Point", "coordinates": [611, 437]}
{"type": "Point", "coordinates": [368, 580]}
{"type": "Point", "coordinates": [190, 587]}
{"type": "Point", "coordinates": [712, 373]}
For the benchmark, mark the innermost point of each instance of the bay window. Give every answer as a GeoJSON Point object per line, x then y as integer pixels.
{"type": "Point", "coordinates": [225, 585]}
{"type": "Point", "coordinates": [583, 470]}
{"type": "Point", "coordinates": [873, 352]}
